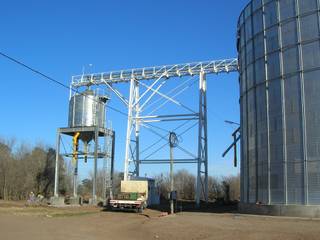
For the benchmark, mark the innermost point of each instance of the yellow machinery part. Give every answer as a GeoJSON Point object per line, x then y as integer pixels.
{"type": "Point", "coordinates": [75, 141]}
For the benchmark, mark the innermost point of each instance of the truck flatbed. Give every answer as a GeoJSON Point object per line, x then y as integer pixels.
{"type": "Point", "coordinates": [136, 205]}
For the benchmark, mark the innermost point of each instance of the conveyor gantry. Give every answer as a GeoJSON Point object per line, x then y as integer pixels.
{"type": "Point", "coordinates": [149, 73]}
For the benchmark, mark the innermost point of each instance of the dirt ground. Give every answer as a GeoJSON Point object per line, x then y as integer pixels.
{"type": "Point", "coordinates": [44, 223]}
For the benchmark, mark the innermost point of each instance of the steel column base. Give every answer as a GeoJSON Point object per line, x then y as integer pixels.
{"type": "Point", "coordinates": [281, 210]}
{"type": "Point", "coordinates": [57, 201]}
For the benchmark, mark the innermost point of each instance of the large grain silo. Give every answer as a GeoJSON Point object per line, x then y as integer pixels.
{"type": "Point", "coordinates": [279, 57]}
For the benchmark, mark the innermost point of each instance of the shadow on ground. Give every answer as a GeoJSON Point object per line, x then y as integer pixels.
{"type": "Point", "coordinates": [190, 206]}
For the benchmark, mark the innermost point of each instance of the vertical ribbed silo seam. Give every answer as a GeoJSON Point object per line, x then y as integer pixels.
{"type": "Point", "coordinates": [83, 109]}
{"type": "Point", "coordinates": [247, 114]}
{"type": "Point", "coordinates": [307, 159]}
{"type": "Point", "coordinates": [241, 116]}
{"type": "Point", "coordinates": [318, 13]}
{"type": "Point", "coordinates": [283, 108]}
{"type": "Point", "coordinates": [255, 108]}
{"type": "Point", "coordinates": [73, 112]}
{"type": "Point", "coordinates": [267, 102]}
{"type": "Point", "coordinates": [241, 143]}
{"type": "Point", "coordinates": [245, 96]}
{"type": "Point", "coordinates": [303, 112]}
{"type": "Point", "coordinates": [244, 104]}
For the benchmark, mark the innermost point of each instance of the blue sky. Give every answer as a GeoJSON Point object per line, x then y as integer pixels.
{"type": "Point", "coordinates": [60, 37]}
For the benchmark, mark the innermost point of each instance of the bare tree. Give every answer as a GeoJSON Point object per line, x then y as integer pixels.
{"type": "Point", "coordinates": [227, 189]}
{"type": "Point", "coordinates": [117, 177]}
{"type": "Point", "coordinates": [215, 190]}
{"type": "Point", "coordinates": [27, 169]}
{"type": "Point", "coordinates": [163, 182]}
{"type": "Point", "coordinates": [184, 183]}
{"type": "Point", "coordinates": [231, 186]}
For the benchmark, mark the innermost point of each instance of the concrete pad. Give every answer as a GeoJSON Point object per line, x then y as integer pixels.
{"type": "Point", "coordinates": [281, 210]}
{"type": "Point", "coordinates": [75, 201]}
{"type": "Point", "coordinates": [57, 201]}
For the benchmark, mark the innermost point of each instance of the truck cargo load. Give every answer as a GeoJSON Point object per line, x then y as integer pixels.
{"type": "Point", "coordinates": [136, 194]}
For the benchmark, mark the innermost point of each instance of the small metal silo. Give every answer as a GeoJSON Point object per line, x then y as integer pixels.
{"type": "Point", "coordinates": [91, 140]}
{"type": "Point", "coordinates": [87, 110]}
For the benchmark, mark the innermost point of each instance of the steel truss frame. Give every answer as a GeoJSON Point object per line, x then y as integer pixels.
{"type": "Point", "coordinates": [158, 77]}
{"type": "Point", "coordinates": [150, 73]}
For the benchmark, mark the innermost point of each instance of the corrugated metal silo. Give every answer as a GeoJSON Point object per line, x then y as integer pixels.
{"type": "Point", "coordinates": [87, 110]}
{"type": "Point", "coordinates": [279, 56]}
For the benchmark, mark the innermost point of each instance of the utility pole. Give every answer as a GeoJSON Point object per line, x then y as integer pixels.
{"type": "Point", "coordinates": [173, 142]}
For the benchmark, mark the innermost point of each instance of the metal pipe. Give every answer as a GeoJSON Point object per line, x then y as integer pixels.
{"type": "Point", "coordinates": [169, 120]}
{"type": "Point", "coordinates": [75, 179]}
{"type": "Point", "coordinates": [128, 135]}
{"type": "Point", "coordinates": [169, 116]}
{"type": "Point", "coordinates": [172, 144]}
{"type": "Point", "coordinates": [112, 163]}
{"type": "Point", "coordinates": [205, 129]}
{"type": "Point", "coordinates": [198, 182]}
{"type": "Point", "coordinates": [56, 174]}
{"type": "Point", "coordinates": [75, 142]}
{"type": "Point", "coordinates": [231, 146]}
{"type": "Point", "coordinates": [235, 160]}
{"type": "Point", "coordinates": [94, 187]}
{"type": "Point", "coordinates": [137, 127]}
{"type": "Point", "coordinates": [171, 180]}
{"type": "Point", "coordinates": [85, 143]}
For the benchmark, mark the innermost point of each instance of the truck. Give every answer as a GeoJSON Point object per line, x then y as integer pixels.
{"type": "Point", "coordinates": [135, 194]}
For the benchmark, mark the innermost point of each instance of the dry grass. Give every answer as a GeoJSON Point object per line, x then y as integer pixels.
{"type": "Point", "coordinates": [22, 209]}
{"type": "Point", "coordinates": [18, 221]}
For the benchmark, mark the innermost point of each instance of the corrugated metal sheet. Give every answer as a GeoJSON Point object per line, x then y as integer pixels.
{"type": "Point", "coordinates": [86, 110]}
{"type": "Point", "coordinates": [279, 59]}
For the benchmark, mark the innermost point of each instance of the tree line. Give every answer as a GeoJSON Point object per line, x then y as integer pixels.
{"type": "Point", "coordinates": [24, 169]}
{"type": "Point", "coordinates": [219, 189]}
{"type": "Point", "coordinates": [224, 189]}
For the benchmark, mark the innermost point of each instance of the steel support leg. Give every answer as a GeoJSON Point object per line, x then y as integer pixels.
{"type": "Point", "coordinates": [171, 179]}
{"type": "Point", "coordinates": [112, 163]}
{"type": "Point", "coordinates": [75, 179]}
{"type": "Point", "coordinates": [129, 130]}
{"type": "Point", "coordinates": [94, 182]}
{"type": "Point", "coordinates": [106, 169]}
{"type": "Point", "coordinates": [56, 174]}
{"type": "Point", "coordinates": [137, 128]}
{"type": "Point", "coordinates": [132, 141]}
{"type": "Point", "coordinates": [202, 171]}
{"type": "Point", "coordinates": [205, 136]}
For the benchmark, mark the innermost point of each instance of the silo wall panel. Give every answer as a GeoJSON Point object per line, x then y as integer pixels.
{"type": "Point", "coordinates": [279, 60]}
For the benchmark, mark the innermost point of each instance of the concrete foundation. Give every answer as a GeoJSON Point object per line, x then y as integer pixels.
{"type": "Point", "coordinates": [281, 210]}
{"type": "Point", "coordinates": [97, 202]}
{"type": "Point", "coordinates": [57, 201]}
{"type": "Point", "coordinates": [75, 201]}
{"type": "Point", "coordinates": [93, 201]}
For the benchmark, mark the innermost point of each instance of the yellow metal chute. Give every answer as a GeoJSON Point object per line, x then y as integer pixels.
{"type": "Point", "coordinates": [75, 141]}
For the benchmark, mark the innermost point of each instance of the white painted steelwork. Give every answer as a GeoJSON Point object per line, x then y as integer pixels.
{"type": "Point", "coordinates": [139, 101]}
{"type": "Point", "coordinates": [150, 73]}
